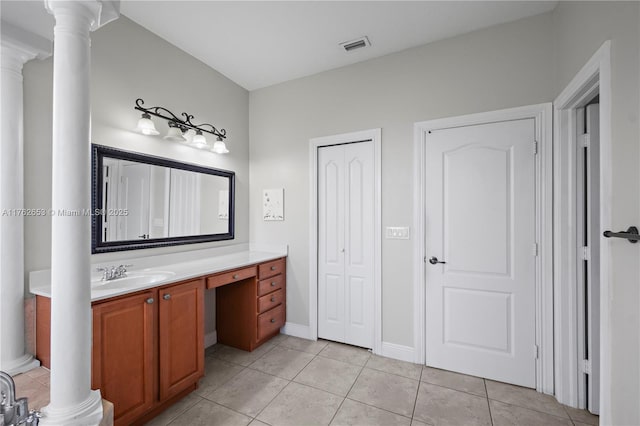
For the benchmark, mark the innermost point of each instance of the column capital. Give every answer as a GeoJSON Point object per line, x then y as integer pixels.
{"type": "Point", "coordinates": [19, 46]}
{"type": "Point", "coordinates": [99, 12]}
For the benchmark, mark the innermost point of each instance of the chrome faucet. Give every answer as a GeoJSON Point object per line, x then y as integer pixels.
{"type": "Point", "coordinates": [14, 411]}
{"type": "Point", "coordinates": [113, 272]}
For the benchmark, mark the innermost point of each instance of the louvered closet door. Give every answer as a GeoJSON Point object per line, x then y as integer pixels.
{"type": "Point", "coordinates": [345, 243]}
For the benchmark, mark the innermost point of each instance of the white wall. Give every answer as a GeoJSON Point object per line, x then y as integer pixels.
{"type": "Point", "coordinates": [500, 67]}
{"type": "Point", "coordinates": [129, 62]}
{"type": "Point", "coordinates": [580, 29]}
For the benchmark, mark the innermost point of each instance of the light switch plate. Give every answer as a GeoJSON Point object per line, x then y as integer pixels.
{"type": "Point", "coordinates": [397, 233]}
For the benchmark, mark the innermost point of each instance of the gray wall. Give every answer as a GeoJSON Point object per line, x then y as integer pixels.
{"type": "Point", "coordinates": [129, 62]}
{"type": "Point", "coordinates": [499, 67]}
{"type": "Point", "coordinates": [580, 29]}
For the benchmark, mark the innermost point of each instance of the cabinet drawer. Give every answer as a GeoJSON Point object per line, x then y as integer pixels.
{"type": "Point", "coordinates": [270, 321]}
{"type": "Point", "coordinates": [269, 301]}
{"type": "Point", "coordinates": [269, 285]}
{"type": "Point", "coordinates": [229, 277]}
{"type": "Point", "coordinates": [269, 269]}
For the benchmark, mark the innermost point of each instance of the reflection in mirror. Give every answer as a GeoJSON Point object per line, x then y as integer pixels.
{"type": "Point", "coordinates": [147, 201]}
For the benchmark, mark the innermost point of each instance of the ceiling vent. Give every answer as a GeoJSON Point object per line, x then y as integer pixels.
{"type": "Point", "coordinates": [359, 43]}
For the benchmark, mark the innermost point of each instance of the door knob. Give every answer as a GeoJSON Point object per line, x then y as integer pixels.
{"type": "Point", "coordinates": [166, 296]}
{"type": "Point", "coordinates": [433, 260]}
{"type": "Point", "coordinates": [149, 300]}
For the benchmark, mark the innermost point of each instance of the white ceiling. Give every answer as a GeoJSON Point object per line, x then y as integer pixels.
{"type": "Point", "coordinates": [258, 44]}
{"type": "Point", "coordinates": [261, 43]}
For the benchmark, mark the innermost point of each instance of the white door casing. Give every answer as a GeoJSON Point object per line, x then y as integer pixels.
{"type": "Point", "coordinates": [346, 194]}
{"type": "Point", "coordinates": [588, 259]}
{"type": "Point", "coordinates": [593, 297]}
{"type": "Point", "coordinates": [594, 78]}
{"type": "Point", "coordinates": [481, 221]}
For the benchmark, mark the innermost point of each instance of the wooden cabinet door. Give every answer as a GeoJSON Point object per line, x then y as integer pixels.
{"type": "Point", "coordinates": [123, 367]}
{"type": "Point", "coordinates": [181, 330]}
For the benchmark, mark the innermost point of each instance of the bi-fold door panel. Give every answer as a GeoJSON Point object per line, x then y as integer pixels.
{"type": "Point", "coordinates": [345, 243]}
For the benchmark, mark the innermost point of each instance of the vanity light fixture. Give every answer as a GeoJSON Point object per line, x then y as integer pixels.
{"type": "Point", "coordinates": [146, 126]}
{"type": "Point", "coordinates": [174, 134]}
{"type": "Point", "coordinates": [198, 140]}
{"type": "Point", "coordinates": [180, 130]}
{"type": "Point", "coordinates": [219, 147]}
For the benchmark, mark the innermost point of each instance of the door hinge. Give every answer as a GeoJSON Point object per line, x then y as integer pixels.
{"type": "Point", "coordinates": [586, 366]}
{"type": "Point", "coordinates": [424, 259]}
{"type": "Point", "coordinates": [536, 351]}
{"type": "Point", "coordinates": [535, 249]}
{"type": "Point", "coordinates": [535, 147]}
{"type": "Point", "coordinates": [585, 253]}
{"type": "Point", "coordinates": [585, 140]}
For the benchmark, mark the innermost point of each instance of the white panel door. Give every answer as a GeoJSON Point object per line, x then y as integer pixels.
{"type": "Point", "coordinates": [345, 243]}
{"type": "Point", "coordinates": [480, 223]}
{"type": "Point", "coordinates": [331, 238]}
{"type": "Point", "coordinates": [133, 195]}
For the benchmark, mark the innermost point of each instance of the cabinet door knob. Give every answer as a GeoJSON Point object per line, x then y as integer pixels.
{"type": "Point", "coordinates": [235, 276]}
{"type": "Point", "coordinates": [149, 300]}
{"type": "Point", "coordinates": [166, 296]}
{"type": "Point", "coordinates": [273, 284]}
{"type": "Point", "coordinates": [273, 268]}
{"type": "Point", "coordinates": [273, 320]}
{"type": "Point", "coordinates": [273, 299]}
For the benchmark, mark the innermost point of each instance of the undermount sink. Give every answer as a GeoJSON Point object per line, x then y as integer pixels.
{"type": "Point", "coordinates": [131, 280]}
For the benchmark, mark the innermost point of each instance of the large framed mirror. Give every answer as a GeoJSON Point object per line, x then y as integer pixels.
{"type": "Point", "coordinates": [141, 201]}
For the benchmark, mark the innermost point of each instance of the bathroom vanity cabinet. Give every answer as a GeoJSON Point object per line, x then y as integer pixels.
{"type": "Point", "coordinates": [148, 345]}
{"type": "Point", "coordinates": [127, 363]}
{"type": "Point", "coordinates": [252, 310]}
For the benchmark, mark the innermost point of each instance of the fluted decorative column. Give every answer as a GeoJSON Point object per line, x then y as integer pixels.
{"type": "Point", "coordinates": [17, 47]}
{"type": "Point", "coordinates": [72, 400]}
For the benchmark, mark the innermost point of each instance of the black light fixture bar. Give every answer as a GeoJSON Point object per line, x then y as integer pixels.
{"type": "Point", "coordinates": [181, 124]}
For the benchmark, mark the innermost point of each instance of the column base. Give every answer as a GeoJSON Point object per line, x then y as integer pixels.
{"type": "Point", "coordinates": [25, 363]}
{"type": "Point", "coordinates": [87, 413]}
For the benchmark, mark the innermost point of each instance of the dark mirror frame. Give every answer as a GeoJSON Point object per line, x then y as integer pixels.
{"type": "Point", "coordinates": [98, 152]}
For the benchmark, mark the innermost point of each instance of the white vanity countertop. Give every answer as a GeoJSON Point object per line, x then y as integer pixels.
{"type": "Point", "coordinates": [205, 262]}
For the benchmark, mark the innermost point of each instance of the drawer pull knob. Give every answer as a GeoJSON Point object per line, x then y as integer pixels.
{"type": "Point", "coordinates": [273, 320]}
{"type": "Point", "coordinates": [273, 284]}
{"type": "Point", "coordinates": [273, 299]}
{"type": "Point", "coordinates": [149, 300]}
{"type": "Point", "coordinates": [166, 296]}
{"type": "Point", "coordinates": [273, 268]}
{"type": "Point", "coordinates": [235, 276]}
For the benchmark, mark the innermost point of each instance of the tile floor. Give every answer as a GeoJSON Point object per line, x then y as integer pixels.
{"type": "Point", "coordinates": [291, 381]}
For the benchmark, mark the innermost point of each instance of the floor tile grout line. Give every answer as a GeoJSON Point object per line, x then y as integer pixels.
{"type": "Point", "coordinates": [395, 374]}
{"type": "Point", "coordinates": [347, 362]}
{"type": "Point", "coordinates": [379, 408]}
{"type": "Point", "coordinates": [229, 408]}
{"type": "Point", "coordinates": [488, 403]}
{"type": "Point", "coordinates": [531, 409]}
{"type": "Point", "coordinates": [370, 405]}
{"type": "Point", "coordinates": [415, 401]}
{"type": "Point", "coordinates": [454, 389]}
{"type": "Point", "coordinates": [272, 399]}
{"type": "Point", "coordinates": [336, 412]}
{"type": "Point", "coordinates": [183, 411]}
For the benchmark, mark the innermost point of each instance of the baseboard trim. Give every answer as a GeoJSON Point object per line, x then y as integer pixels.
{"type": "Point", "coordinates": [400, 352]}
{"type": "Point", "coordinates": [296, 330]}
{"type": "Point", "coordinates": [210, 339]}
